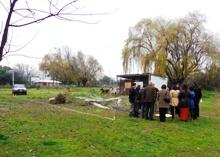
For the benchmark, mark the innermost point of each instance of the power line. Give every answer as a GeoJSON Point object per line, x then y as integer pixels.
{"type": "Point", "coordinates": [26, 56]}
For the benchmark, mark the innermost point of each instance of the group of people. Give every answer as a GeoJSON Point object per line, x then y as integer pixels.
{"type": "Point", "coordinates": [183, 101]}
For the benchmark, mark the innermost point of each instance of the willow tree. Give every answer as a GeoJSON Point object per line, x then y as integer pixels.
{"type": "Point", "coordinates": [175, 48]}
{"type": "Point", "coordinates": [141, 46]}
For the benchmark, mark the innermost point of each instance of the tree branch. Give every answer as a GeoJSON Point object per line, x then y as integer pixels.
{"type": "Point", "coordinates": [7, 25]}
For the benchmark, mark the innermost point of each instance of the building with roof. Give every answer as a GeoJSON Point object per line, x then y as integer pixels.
{"type": "Point", "coordinates": [47, 83]}
{"type": "Point", "coordinates": [125, 81]}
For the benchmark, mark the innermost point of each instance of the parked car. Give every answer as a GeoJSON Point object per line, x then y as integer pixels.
{"type": "Point", "coordinates": [19, 89]}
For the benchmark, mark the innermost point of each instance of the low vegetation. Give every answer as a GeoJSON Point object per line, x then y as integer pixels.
{"type": "Point", "coordinates": [30, 126]}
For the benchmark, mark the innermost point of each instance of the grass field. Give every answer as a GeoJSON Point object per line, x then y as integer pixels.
{"type": "Point", "coordinates": [29, 126]}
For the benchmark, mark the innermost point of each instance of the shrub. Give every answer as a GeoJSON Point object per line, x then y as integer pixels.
{"type": "Point", "coordinates": [60, 98]}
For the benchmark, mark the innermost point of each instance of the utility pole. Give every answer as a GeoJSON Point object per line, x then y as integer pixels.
{"type": "Point", "coordinates": [13, 78]}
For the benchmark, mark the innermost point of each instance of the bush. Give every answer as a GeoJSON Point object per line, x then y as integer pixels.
{"type": "Point", "coordinates": [6, 86]}
{"type": "Point", "coordinates": [60, 98]}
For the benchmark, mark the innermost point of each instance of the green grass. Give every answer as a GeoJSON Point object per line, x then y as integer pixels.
{"type": "Point", "coordinates": [31, 127]}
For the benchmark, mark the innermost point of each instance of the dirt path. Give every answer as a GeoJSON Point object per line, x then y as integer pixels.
{"type": "Point", "coordinates": [3, 111]}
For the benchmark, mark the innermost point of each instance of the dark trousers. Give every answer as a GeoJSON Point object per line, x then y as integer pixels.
{"type": "Point", "coordinates": [162, 112]}
{"type": "Point", "coordinates": [174, 110]}
{"type": "Point", "coordinates": [149, 110]}
{"type": "Point", "coordinates": [193, 113]}
{"type": "Point", "coordinates": [143, 109]}
{"type": "Point", "coordinates": [197, 108]}
{"type": "Point", "coordinates": [134, 110]}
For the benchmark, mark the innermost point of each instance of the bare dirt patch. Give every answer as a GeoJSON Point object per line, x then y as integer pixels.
{"type": "Point", "coordinates": [3, 111]}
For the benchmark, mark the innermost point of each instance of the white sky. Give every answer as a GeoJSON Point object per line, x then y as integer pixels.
{"type": "Point", "coordinates": [105, 40]}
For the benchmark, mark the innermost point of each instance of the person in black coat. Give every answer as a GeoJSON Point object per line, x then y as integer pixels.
{"type": "Point", "coordinates": [184, 100]}
{"type": "Point", "coordinates": [142, 102]}
{"type": "Point", "coordinates": [138, 96]}
{"type": "Point", "coordinates": [133, 100]}
{"type": "Point", "coordinates": [150, 96]}
{"type": "Point", "coordinates": [198, 96]}
{"type": "Point", "coordinates": [184, 96]}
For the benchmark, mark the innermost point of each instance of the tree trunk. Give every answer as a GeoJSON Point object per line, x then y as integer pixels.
{"type": "Point", "coordinates": [5, 33]}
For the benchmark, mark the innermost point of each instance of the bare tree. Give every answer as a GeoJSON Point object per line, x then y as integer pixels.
{"type": "Point", "coordinates": [89, 68]}
{"type": "Point", "coordinates": [68, 68]}
{"type": "Point", "coordinates": [25, 71]}
{"type": "Point", "coordinates": [20, 13]}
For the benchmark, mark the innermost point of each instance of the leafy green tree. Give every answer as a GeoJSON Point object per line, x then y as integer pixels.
{"type": "Point", "coordinates": [106, 81]}
{"type": "Point", "coordinates": [208, 79]}
{"type": "Point", "coordinates": [5, 76]}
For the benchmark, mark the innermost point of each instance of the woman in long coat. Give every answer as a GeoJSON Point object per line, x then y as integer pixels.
{"type": "Point", "coordinates": [163, 106]}
{"type": "Point", "coordinates": [174, 93]}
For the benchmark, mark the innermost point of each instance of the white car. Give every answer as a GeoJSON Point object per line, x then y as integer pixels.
{"type": "Point", "coordinates": [19, 89]}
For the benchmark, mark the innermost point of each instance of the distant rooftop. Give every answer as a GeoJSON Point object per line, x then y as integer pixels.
{"type": "Point", "coordinates": [47, 81]}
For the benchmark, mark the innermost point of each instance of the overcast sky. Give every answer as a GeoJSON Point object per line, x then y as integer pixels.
{"type": "Point", "coordinates": [104, 40]}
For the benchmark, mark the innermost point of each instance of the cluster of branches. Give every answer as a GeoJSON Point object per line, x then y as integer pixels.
{"type": "Point", "coordinates": [20, 13]}
{"type": "Point", "coordinates": [175, 48]}
{"type": "Point", "coordinates": [68, 68]}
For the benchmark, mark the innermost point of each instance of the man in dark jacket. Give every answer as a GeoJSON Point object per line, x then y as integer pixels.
{"type": "Point", "coordinates": [198, 96]}
{"type": "Point", "coordinates": [132, 100]}
{"type": "Point", "coordinates": [150, 96]}
{"type": "Point", "coordinates": [142, 102]}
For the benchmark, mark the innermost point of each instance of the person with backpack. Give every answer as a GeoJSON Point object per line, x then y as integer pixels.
{"type": "Point", "coordinates": [163, 102]}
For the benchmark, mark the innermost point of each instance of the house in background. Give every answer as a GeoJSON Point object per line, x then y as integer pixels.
{"type": "Point", "coordinates": [46, 82]}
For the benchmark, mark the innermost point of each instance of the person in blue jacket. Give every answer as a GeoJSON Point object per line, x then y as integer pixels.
{"type": "Point", "coordinates": [192, 106]}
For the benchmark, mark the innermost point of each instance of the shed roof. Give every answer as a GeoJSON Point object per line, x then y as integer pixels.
{"type": "Point", "coordinates": [134, 76]}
